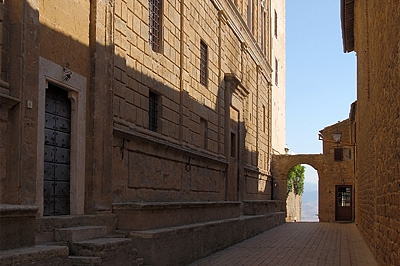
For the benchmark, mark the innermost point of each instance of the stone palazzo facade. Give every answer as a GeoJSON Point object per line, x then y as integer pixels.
{"type": "Point", "coordinates": [133, 116]}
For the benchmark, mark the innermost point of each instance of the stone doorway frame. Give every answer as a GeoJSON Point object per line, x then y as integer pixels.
{"type": "Point", "coordinates": [75, 84]}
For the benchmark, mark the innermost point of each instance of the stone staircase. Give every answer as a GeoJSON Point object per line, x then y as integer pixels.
{"type": "Point", "coordinates": [75, 240]}
{"type": "Point", "coordinates": [92, 245]}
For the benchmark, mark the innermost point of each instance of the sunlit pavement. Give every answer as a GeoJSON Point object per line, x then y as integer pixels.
{"type": "Point", "coordinates": [303, 243]}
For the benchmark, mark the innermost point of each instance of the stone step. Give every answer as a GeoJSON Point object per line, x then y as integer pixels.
{"type": "Point", "coordinates": [85, 261]}
{"type": "Point", "coordinates": [113, 251]}
{"type": "Point", "coordinates": [79, 233]}
{"type": "Point", "coordinates": [36, 255]}
{"type": "Point", "coordinates": [47, 225]}
{"type": "Point", "coordinates": [181, 245]}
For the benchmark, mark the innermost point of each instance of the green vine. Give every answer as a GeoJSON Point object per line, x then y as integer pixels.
{"type": "Point", "coordinates": [295, 180]}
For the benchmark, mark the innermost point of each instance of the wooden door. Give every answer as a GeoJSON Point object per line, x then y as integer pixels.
{"type": "Point", "coordinates": [57, 152]}
{"type": "Point", "coordinates": [344, 203]}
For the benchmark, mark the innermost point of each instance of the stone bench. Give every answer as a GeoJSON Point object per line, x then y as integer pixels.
{"type": "Point", "coordinates": [135, 216]}
{"type": "Point", "coordinates": [17, 223]}
{"type": "Point", "coordinates": [257, 207]}
{"type": "Point", "coordinates": [183, 244]}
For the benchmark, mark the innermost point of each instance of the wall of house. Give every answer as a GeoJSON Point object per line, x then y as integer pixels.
{"type": "Point", "coordinates": [377, 46]}
{"type": "Point", "coordinates": [188, 158]}
{"type": "Point", "coordinates": [335, 173]}
{"type": "Point", "coordinates": [104, 48]}
{"type": "Point", "coordinates": [278, 86]}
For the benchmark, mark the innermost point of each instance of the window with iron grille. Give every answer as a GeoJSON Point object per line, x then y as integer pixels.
{"type": "Point", "coordinates": [203, 63]}
{"type": "Point", "coordinates": [338, 155]}
{"type": "Point", "coordinates": [155, 24]}
{"type": "Point", "coordinates": [153, 111]}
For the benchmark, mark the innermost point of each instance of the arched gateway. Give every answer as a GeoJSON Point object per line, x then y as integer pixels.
{"type": "Point", "coordinates": [335, 184]}
{"type": "Point", "coordinates": [282, 164]}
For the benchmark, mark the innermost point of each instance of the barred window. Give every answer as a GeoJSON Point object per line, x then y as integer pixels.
{"type": "Point", "coordinates": [203, 63]}
{"type": "Point", "coordinates": [155, 24]}
{"type": "Point", "coordinates": [153, 111]}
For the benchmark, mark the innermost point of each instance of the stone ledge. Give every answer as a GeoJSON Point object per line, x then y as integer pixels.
{"type": "Point", "coordinates": [9, 210]}
{"type": "Point", "coordinates": [152, 215]}
{"type": "Point", "coordinates": [184, 244]}
{"type": "Point", "coordinates": [38, 255]}
{"type": "Point", "coordinates": [17, 224]}
{"type": "Point", "coordinates": [46, 226]}
{"type": "Point", "coordinates": [258, 207]}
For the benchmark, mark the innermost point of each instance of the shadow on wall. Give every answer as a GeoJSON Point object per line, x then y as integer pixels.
{"type": "Point", "coordinates": [192, 153]}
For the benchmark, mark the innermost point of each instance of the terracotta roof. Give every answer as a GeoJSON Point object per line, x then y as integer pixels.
{"type": "Point", "coordinates": [347, 17]}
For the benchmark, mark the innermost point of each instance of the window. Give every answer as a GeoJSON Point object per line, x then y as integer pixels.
{"type": "Point", "coordinates": [276, 71]}
{"type": "Point", "coordinates": [264, 118]}
{"type": "Point", "coordinates": [153, 111]}
{"type": "Point", "coordinates": [263, 34]}
{"type": "Point", "coordinates": [203, 63]}
{"type": "Point", "coordinates": [233, 144]}
{"type": "Point", "coordinates": [250, 14]}
{"type": "Point", "coordinates": [338, 154]}
{"type": "Point", "coordinates": [204, 133]}
{"type": "Point", "coordinates": [155, 24]}
{"type": "Point", "coordinates": [276, 25]}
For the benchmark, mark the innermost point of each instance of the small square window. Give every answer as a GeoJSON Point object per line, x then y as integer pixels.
{"type": "Point", "coordinates": [338, 155]}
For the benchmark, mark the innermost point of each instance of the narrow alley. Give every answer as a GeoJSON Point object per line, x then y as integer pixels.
{"type": "Point", "coordinates": [298, 244]}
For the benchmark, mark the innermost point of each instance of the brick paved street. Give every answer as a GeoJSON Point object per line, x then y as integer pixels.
{"type": "Point", "coordinates": [298, 244]}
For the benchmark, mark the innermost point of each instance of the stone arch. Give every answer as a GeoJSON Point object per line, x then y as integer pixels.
{"type": "Point", "coordinates": [282, 164]}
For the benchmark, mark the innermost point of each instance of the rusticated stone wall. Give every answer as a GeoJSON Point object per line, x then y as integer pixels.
{"type": "Point", "coordinates": [191, 156]}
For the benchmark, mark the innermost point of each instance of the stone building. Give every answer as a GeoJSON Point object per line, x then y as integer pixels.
{"type": "Point", "coordinates": [151, 118]}
{"type": "Point", "coordinates": [372, 30]}
{"type": "Point", "coordinates": [335, 168]}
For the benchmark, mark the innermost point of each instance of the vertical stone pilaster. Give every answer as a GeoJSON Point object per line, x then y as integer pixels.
{"type": "Point", "coordinates": [99, 171]}
{"type": "Point", "coordinates": [222, 20]}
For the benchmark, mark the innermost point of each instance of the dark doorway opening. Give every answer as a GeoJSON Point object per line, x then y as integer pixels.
{"type": "Point", "coordinates": [343, 203]}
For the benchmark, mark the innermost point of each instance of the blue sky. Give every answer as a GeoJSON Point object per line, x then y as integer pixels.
{"type": "Point", "coordinates": [320, 77]}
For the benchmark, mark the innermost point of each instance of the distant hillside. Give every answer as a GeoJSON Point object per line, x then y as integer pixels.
{"type": "Point", "coordinates": [310, 202]}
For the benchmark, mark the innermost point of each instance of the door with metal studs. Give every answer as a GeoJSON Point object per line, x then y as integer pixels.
{"type": "Point", "coordinates": [57, 152]}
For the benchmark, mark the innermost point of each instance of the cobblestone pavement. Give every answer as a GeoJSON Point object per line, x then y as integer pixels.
{"type": "Point", "coordinates": [298, 244]}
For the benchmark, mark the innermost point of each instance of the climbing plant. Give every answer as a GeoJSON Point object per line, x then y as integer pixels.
{"type": "Point", "coordinates": [296, 186]}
